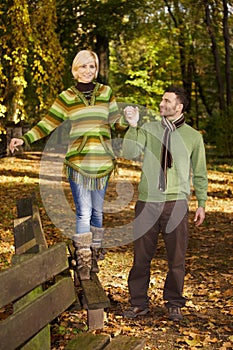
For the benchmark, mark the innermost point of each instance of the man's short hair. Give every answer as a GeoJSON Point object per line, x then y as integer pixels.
{"type": "Point", "coordinates": [181, 95]}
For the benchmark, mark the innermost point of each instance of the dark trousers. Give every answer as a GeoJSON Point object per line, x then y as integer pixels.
{"type": "Point", "coordinates": [170, 218]}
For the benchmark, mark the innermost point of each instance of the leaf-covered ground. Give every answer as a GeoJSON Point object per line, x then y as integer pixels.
{"type": "Point", "coordinates": [208, 286]}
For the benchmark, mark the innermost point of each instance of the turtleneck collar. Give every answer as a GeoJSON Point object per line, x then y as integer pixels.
{"type": "Point", "coordinates": [85, 87]}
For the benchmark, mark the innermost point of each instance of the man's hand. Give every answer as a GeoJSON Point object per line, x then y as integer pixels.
{"type": "Point", "coordinates": [15, 143]}
{"type": "Point", "coordinates": [131, 115]}
{"type": "Point", "coordinates": [199, 216]}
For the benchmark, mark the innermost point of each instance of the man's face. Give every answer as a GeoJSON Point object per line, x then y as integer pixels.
{"type": "Point", "coordinates": [170, 107]}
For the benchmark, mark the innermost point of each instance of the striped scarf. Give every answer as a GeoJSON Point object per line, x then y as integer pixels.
{"type": "Point", "coordinates": [166, 156]}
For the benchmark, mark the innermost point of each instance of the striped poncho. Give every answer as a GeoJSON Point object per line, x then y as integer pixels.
{"type": "Point", "coordinates": [89, 156]}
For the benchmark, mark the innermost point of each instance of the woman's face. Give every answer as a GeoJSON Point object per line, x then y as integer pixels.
{"type": "Point", "coordinates": [86, 71]}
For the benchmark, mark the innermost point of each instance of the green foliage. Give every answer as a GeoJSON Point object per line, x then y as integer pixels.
{"type": "Point", "coordinates": [15, 33]}
{"type": "Point", "coordinates": [221, 133]}
{"type": "Point", "coordinates": [144, 69]}
{"type": "Point", "coordinates": [143, 47]}
{"type": "Point", "coordinates": [46, 60]}
{"type": "Point", "coordinates": [31, 59]}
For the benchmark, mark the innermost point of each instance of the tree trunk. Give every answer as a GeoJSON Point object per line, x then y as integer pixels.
{"type": "Point", "coordinates": [102, 50]}
{"type": "Point", "coordinates": [186, 68]}
{"type": "Point", "coordinates": [227, 52]}
{"type": "Point", "coordinates": [216, 56]}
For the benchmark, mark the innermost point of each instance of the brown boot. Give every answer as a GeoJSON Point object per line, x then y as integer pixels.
{"type": "Point", "coordinates": [83, 254]}
{"type": "Point", "coordinates": [94, 261]}
{"type": "Point", "coordinates": [97, 251]}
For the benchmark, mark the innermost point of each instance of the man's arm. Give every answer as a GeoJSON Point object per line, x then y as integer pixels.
{"type": "Point", "coordinates": [199, 216]}
{"type": "Point", "coordinates": [200, 179]}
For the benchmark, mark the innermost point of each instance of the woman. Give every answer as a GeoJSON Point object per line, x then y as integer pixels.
{"type": "Point", "coordinates": [92, 111]}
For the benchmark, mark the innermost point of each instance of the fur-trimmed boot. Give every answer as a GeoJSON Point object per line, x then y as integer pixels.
{"type": "Point", "coordinates": [83, 254]}
{"type": "Point", "coordinates": [97, 251]}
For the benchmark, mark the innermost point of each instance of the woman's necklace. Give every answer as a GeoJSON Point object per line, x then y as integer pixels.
{"type": "Point", "coordinates": [88, 97]}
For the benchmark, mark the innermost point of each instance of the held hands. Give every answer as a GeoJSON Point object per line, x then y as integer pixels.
{"type": "Point", "coordinates": [132, 115]}
{"type": "Point", "coordinates": [15, 143]}
{"type": "Point", "coordinates": [199, 216]}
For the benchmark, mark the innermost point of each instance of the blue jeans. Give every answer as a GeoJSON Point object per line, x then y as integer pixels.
{"type": "Point", "coordinates": [89, 206]}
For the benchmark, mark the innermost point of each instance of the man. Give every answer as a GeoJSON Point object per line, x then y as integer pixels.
{"type": "Point", "coordinates": [173, 154]}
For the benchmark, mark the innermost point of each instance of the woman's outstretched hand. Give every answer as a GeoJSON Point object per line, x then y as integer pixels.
{"type": "Point", "coordinates": [15, 143]}
{"type": "Point", "coordinates": [132, 115]}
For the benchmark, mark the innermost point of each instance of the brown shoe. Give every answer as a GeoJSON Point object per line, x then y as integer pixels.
{"type": "Point", "coordinates": [175, 313]}
{"type": "Point", "coordinates": [135, 311]}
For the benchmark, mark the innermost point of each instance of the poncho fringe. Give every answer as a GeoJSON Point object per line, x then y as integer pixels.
{"type": "Point", "coordinates": [88, 183]}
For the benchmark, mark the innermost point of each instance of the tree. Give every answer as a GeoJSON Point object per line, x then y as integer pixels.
{"type": "Point", "coordinates": [46, 60]}
{"type": "Point", "coordinates": [221, 50]}
{"type": "Point", "coordinates": [15, 36]}
{"type": "Point", "coordinates": [143, 47]}
{"type": "Point", "coordinates": [31, 59]}
{"type": "Point", "coordinates": [95, 24]}
{"type": "Point", "coordinates": [226, 36]}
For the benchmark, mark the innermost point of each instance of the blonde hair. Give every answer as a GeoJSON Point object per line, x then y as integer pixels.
{"type": "Point", "coordinates": [81, 58]}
